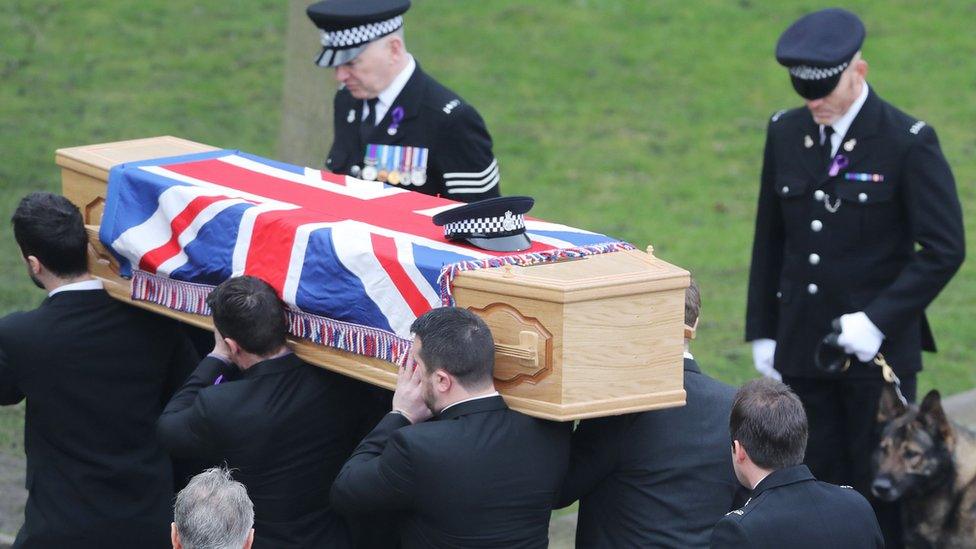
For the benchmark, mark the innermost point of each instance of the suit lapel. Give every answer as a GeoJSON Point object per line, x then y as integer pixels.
{"type": "Point", "coordinates": [810, 156]}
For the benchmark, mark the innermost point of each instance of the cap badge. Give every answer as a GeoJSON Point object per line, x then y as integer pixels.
{"type": "Point", "coordinates": [807, 141]}
{"type": "Point", "coordinates": [508, 222]}
{"type": "Point", "coordinates": [351, 117]}
{"type": "Point", "coordinates": [395, 118]}
{"type": "Point", "coordinates": [849, 145]}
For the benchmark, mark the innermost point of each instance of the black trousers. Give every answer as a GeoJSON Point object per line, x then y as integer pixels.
{"type": "Point", "coordinates": [844, 434]}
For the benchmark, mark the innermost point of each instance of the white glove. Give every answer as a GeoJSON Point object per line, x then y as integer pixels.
{"type": "Point", "coordinates": [859, 336]}
{"type": "Point", "coordinates": [763, 351]}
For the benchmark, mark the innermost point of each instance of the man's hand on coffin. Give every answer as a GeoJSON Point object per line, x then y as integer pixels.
{"type": "Point", "coordinates": [221, 350]}
{"type": "Point", "coordinates": [408, 399]}
{"type": "Point", "coordinates": [763, 351]}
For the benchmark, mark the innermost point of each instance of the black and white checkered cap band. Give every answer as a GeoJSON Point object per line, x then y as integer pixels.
{"type": "Point", "coordinates": [805, 72]}
{"type": "Point", "coordinates": [486, 225]}
{"type": "Point", "coordinates": [361, 35]}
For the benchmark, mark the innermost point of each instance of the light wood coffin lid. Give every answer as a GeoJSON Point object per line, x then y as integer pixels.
{"type": "Point", "coordinates": [614, 277]}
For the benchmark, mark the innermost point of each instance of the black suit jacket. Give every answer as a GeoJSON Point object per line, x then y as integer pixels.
{"type": "Point", "coordinates": [854, 249]}
{"type": "Point", "coordinates": [480, 475]}
{"type": "Point", "coordinates": [655, 479]}
{"type": "Point", "coordinates": [460, 162]}
{"type": "Point", "coordinates": [286, 427]}
{"type": "Point", "coordinates": [96, 374]}
{"type": "Point", "coordinates": [790, 508]}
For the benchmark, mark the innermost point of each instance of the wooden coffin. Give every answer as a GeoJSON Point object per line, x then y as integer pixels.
{"type": "Point", "coordinates": [597, 336]}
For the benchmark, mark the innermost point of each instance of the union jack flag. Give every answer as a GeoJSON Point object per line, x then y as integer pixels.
{"type": "Point", "coordinates": [359, 252]}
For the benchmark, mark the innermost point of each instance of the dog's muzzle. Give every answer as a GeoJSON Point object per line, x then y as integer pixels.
{"type": "Point", "coordinates": [883, 489]}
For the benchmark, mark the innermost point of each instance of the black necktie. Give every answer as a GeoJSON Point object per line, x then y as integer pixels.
{"type": "Point", "coordinates": [369, 121]}
{"type": "Point", "coordinates": [826, 146]}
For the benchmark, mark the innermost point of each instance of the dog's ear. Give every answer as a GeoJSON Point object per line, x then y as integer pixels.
{"type": "Point", "coordinates": [933, 416]}
{"type": "Point", "coordinates": [889, 406]}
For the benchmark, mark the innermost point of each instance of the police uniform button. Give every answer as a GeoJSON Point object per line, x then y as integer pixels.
{"type": "Point", "coordinates": [818, 195]}
{"type": "Point", "coordinates": [816, 225]}
{"type": "Point", "coordinates": [812, 289]}
{"type": "Point", "coordinates": [779, 295]}
{"type": "Point", "coordinates": [814, 259]}
{"type": "Point", "coordinates": [786, 190]}
{"type": "Point", "coordinates": [863, 197]}
{"type": "Point", "coordinates": [354, 170]}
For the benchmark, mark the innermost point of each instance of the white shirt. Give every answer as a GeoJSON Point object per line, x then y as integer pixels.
{"type": "Point", "coordinates": [688, 356]}
{"type": "Point", "coordinates": [76, 286]}
{"type": "Point", "coordinates": [844, 122]}
{"type": "Point", "coordinates": [489, 395]}
{"type": "Point", "coordinates": [386, 97]}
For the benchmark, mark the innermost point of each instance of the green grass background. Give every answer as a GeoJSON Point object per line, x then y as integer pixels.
{"type": "Point", "coordinates": [641, 119]}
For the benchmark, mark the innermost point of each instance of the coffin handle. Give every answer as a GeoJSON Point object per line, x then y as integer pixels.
{"type": "Point", "coordinates": [526, 352]}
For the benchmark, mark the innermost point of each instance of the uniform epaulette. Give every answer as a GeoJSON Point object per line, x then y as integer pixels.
{"type": "Point", "coordinates": [847, 486]}
{"type": "Point", "coordinates": [778, 114]}
{"type": "Point", "coordinates": [738, 512]}
{"type": "Point", "coordinates": [916, 127]}
{"type": "Point", "coordinates": [451, 105]}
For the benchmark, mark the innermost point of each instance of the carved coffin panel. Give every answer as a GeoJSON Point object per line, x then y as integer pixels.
{"type": "Point", "coordinates": [523, 346]}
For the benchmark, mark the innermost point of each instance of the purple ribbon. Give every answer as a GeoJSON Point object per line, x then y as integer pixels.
{"type": "Point", "coordinates": [219, 379]}
{"type": "Point", "coordinates": [839, 163]}
{"type": "Point", "coordinates": [395, 118]}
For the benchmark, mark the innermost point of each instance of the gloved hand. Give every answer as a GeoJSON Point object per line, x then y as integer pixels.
{"type": "Point", "coordinates": [763, 351]}
{"type": "Point", "coordinates": [859, 336]}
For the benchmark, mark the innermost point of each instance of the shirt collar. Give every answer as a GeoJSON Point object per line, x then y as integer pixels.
{"type": "Point", "coordinates": [688, 356]}
{"type": "Point", "coordinates": [95, 284]}
{"type": "Point", "coordinates": [389, 95]}
{"type": "Point", "coordinates": [844, 123]}
{"type": "Point", "coordinates": [487, 395]}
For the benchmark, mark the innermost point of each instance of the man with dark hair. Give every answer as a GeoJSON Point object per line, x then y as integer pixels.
{"type": "Point", "coordinates": [96, 374]}
{"type": "Point", "coordinates": [660, 478]}
{"type": "Point", "coordinates": [788, 507]}
{"type": "Point", "coordinates": [480, 476]}
{"type": "Point", "coordinates": [285, 425]}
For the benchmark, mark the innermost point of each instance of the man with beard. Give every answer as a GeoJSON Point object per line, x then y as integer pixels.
{"type": "Point", "coordinates": [481, 475]}
{"type": "Point", "coordinates": [96, 374]}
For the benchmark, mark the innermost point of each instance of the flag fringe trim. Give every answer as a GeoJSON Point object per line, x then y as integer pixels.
{"type": "Point", "coordinates": [191, 297]}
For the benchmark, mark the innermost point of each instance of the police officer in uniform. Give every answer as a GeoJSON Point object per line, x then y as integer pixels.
{"type": "Point", "coordinates": [858, 219]}
{"type": "Point", "coordinates": [393, 122]}
{"type": "Point", "coordinates": [788, 506]}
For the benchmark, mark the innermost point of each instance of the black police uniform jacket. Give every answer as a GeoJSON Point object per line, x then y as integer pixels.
{"type": "Point", "coordinates": [460, 162]}
{"type": "Point", "coordinates": [854, 249]}
{"type": "Point", "coordinates": [655, 479]}
{"type": "Point", "coordinates": [790, 508]}
{"type": "Point", "coordinates": [285, 427]}
{"type": "Point", "coordinates": [96, 374]}
{"type": "Point", "coordinates": [480, 475]}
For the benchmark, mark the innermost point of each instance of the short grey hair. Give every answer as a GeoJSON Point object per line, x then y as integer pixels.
{"type": "Point", "coordinates": [213, 511]}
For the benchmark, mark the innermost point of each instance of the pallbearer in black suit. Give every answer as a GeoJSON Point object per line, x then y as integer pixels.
{"type": "Point", "coordinates": [96, 374]}
{"type": "Point", "coordinates": [788, 506]}
{"type": "Point", "coordinates": [858, 219]}
{"type": "Point", "coordinates": [283, 425]}
{"type": "Point", "coordinates": [477, 474]}
{"type": "Point", "coordinates": [393, 122]}
{"type": "Point", "coordinates": [656, 479]}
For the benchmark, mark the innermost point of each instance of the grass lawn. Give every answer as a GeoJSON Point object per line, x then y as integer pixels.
{"type": "Point", "coordinates": [643, 120]}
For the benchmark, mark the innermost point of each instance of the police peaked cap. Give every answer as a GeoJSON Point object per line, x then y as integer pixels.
{"type": "Point", "coordinates": [817, 49]}
{"type": "Point", "coordinates": [348, 26]}
{"type": "Point", "coordinates": [496, 224]}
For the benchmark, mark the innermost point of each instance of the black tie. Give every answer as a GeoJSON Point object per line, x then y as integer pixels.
{"type": "Point", "coordinates": [369, 121]}
{"type": "Point", "coordinates": [826, 146]}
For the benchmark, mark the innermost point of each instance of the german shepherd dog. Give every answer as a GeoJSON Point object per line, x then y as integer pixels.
{"type": "Point", "coordinates": [929, 463]}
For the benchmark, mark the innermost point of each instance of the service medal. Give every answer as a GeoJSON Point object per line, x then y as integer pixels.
{"type": "Point", "coordinates": [393, 177]}
{"type": "Point", "coordinates": [369, 173]}
{"type": "Point", "coordinates": [419, 176]}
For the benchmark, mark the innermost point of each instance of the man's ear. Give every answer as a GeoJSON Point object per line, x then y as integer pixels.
{"type": "Point", "coordinates": [235, 348]}
{"type": "Point", "coordinates": [739, 454]}
{"type": "Point", "coordinates": [250, 539]}
{"type": "Point", "coordinates": [174, 536]}
{"type": "Point", "coordinates": [34, 265]}
{"type": "Point", "coordinates": [443, 381]}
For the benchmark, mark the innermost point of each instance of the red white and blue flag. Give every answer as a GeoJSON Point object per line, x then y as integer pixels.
{"type": "Point", "coordinates": [362, 253]}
